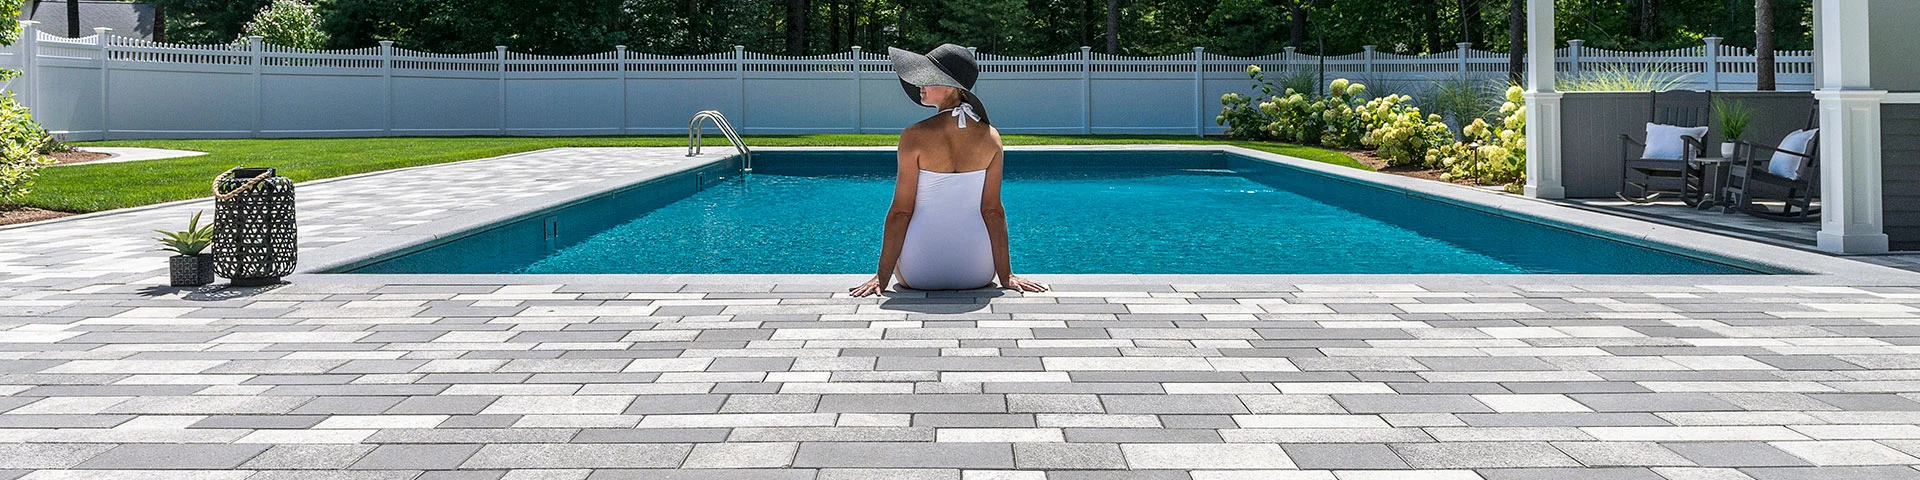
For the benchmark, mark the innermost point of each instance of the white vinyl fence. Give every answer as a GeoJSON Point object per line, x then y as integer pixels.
{"type": "Point", "coordinates": [104, 86]}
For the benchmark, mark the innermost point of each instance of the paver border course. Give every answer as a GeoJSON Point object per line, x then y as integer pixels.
{"type": "Point", "coordinates": [1814, 268]}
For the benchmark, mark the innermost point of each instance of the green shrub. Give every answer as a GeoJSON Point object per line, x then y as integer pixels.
{"type": "Point", "coordinates": [1490, 154]}
{"type": "Point", "coordinates": [23, 145]}
{"type": "Point", "coordinates": [1734, 117]}
{"type": "Point", "coordinates": [1400, 133]}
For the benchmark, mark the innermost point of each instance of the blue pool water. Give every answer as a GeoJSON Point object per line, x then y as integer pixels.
{"type": "Point", "coordinates": [1068, 212]}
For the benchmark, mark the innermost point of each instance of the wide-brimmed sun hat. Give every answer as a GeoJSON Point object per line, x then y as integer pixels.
{"type": "Point", "coordinates": [948, 65]}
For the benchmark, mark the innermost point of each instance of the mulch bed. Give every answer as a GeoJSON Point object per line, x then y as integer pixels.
{"type": "Point", "coordinates": [1368, 158]}
{"type": "Point", "coordinates": [77, 156]}
{"type": "Point", "coordinates": [13, 215]}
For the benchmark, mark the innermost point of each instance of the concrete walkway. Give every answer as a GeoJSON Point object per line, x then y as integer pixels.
{"type": "Point", "coordinates": [107, 374]}
{"type": "Point", "coordinates": [135, 154]}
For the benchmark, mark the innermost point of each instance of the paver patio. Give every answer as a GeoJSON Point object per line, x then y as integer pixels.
{"type": "Point", "coordinates": [108, 374]}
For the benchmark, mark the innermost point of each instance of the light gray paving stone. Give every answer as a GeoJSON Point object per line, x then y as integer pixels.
{"type": "Point", "coordinates": [742, 455]}
{"type": "Point", "coordinates": [42, 455]}
{"type": "Point", "coordinates": [1068, 456]}
{"type": "Point", "coordinates": [1482, 455]}
{"type": "Point", "coordinates": [1614, 473]}
{"type": "Point", "coordinates": [1622, 454]}
{"type": "Point", "coordinates": [307, 457]}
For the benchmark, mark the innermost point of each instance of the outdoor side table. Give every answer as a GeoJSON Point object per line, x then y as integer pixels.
{"type": "Point", "coordinates": [1705, 182]}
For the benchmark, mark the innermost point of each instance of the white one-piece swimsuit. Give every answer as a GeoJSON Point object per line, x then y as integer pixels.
{"type": "Point", "coordinates": [947, 246]}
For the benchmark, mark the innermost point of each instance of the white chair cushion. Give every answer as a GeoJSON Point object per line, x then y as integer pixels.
{"type": "Point", "coordinates": [1786, 164]}
{"type": "Point", "coordinates": [1663, 141]}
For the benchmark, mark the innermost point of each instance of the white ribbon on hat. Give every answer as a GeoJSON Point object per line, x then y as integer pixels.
{"type": "Point", "coordinates": [963, 111]}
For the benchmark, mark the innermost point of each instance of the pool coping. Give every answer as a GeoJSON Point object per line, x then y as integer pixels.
{"type": "Point", "coordinates": [1816, 268]}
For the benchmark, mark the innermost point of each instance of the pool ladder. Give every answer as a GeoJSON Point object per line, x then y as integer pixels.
{"type": "Point", "coordinates": [694, 131]}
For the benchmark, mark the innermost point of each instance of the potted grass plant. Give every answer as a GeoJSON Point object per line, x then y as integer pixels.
{"type": "Point", "coordinates": [191, 265]}
{"type": "Point", "coordinates": [1733, 117]}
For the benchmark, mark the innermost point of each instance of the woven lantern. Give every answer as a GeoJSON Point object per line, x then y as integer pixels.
{"type": "Point", "coordinates": [254, 243]}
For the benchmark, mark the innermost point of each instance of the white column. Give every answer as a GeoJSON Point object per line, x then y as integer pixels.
{"type": "Point", "coordinates": [255, 46]}
{"type": "Point", "coordinates": [29, 58]}
{"type": "Point", "coordinates": [1573, 52]}
{"type": "Point", "coordinates": [1462, 51]}
{"type": "Point", "coordinates": [1367, 52]}
{"type": "Point", "coordinates": [1086, 89]}
{"type": "Point", "coordinates": [1713, 63]}
{"type": "Point", "coordinates": [740, 77]}
{"type": "Point", "coordinates": [500, 58]}
{"type": "Point", "coordinates": [1199, 93]}
{"type": "Point", "coordinates": [1543, 106]}
{"type": "Point", "coordinates": [620, 59]}
{"type": "Point", "coordinates": [386, 92]}
{"type": "Point", "coordinates": [100, 35]}
{"type": "Point", "coordinates": [1850, 199]}
{"type": "Point", "coordinates": [857, 107]}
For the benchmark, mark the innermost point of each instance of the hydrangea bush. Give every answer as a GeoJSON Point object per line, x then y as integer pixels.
{"type": "Point", "coordinates": [1392, 125]}
{"type": "Point", "coordinates": [1489, 154]}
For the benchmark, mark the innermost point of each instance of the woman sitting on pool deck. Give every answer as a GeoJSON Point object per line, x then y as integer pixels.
{"type": "Point", "coordinates": [946, 229]}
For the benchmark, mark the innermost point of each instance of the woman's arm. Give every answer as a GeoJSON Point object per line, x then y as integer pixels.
{"type": "Point", "coordinates": [996, 218]}
{"type": "Point", "coordinates": [898, 216]}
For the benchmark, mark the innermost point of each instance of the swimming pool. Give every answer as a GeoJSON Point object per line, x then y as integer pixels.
{"type": "Point", "coordinates": [1155, 212]}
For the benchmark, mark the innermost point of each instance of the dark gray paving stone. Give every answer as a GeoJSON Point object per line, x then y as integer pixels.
{"type": "Point", "coordinates": [172, 457]}
{"type": "Point", "coordinates": [651, 435]}
{"type": "Point", "coordinates": [416, 457]}
{"type": "Point", "coordinates": [714, 474]}
{"type": "Point", "coordinates": [259, 421]}
{"type": "Point", "coordinates": [517, 456]}
{"type": "Point", "coordinates": [1568, 473]}
{"type": "Point", "coordinates": [1653, 402]}
{"type": "Point", "coordinates": [1173, 404]}
{"type": "Point", "coordinates": [904, 455]}
{"type": "Point", "coordinates": [955, 403]}
{"type": "Point", "coordinates": [1411, 404]}
{"type": "Point", "coordinates": [1867, 401]}
{"type": "Point", "coordinates": [1735, 454]}
{"type": "Point", "coordinates": [1328, 456]}
{"type": "Point", "coordinates": [1832, 473]}
{"type": "Point", "coordinates": [672, 404]}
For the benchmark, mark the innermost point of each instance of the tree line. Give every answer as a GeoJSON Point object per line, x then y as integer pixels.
{"type": "Point", "coordinates": [1007, 27]}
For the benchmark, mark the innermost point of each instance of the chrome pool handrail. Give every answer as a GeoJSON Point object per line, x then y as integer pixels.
{"type": "Point", "coordinates": [694, 132]}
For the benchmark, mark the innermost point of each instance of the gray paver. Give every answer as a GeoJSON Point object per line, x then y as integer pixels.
{"type": "Point", "coordinates": [523, 377]}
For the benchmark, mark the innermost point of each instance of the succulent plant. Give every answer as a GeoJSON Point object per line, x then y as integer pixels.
{"type": "Point", "coordinates": [191, 241]}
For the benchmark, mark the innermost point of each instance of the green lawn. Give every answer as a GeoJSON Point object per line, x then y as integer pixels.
{"type": "Point", "coordinates": [92, 188]}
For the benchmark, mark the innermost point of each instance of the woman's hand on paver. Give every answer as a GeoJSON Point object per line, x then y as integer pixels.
{"type": "Point", "coordinates": [872, 287]}
{"type": "Point", "coordinates": [1021, 284]}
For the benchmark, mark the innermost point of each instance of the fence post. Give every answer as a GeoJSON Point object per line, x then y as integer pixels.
{"type": "Point", "coordinates": [1086, 89]}
{"type": "Point", "coordinates": [29, 49]}
{"type": "Point", "coordinates": [1199, 93]}
{"type": "Point", "coordinates": [857, 107]}
{"type": "Point", "coordinates": [620, 63]}
{"type": "Point", "coordinates": [100, 35]}
{"type": "Point", "coordinates": [1713, 62]}
{"type": "Point", "coordinates": [500, 59]}
{"type": "Point", "coordinates": [386, 93]}
{"type": "Point", "coordinates": [1288, 59]}
{"type": "Point", "coordinates": [255, 46]}
{"type": "Point", "coordinates": [1573, 51]}
{"type": "Point", "coordinates": [1462, 50]}
{"type": "Point", "coordinates": [740, 76]}
{"type": "Point", "coordinates": [1369, 55]}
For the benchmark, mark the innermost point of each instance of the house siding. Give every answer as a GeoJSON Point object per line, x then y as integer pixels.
{"type": "Point", "coordinates": [1900, 174]}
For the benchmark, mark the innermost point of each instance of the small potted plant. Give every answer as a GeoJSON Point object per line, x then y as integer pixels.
{"type": "Point", "coordinates": [1733, 119]}
{"type": "Point", "coordinates": [191, 266]}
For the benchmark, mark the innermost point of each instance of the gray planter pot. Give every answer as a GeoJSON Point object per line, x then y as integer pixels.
{"type": "Point", "coordinates": [190, 270]}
